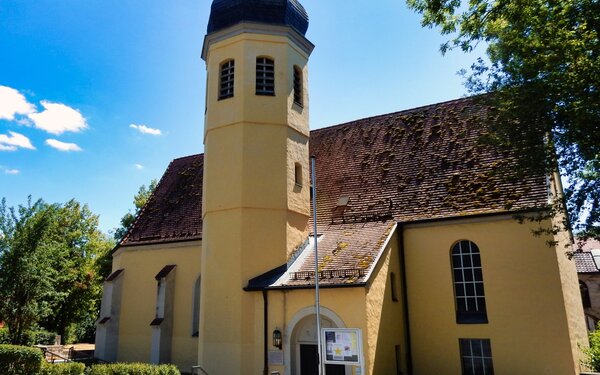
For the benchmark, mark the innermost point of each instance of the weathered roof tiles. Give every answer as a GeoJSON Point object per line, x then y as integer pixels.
{"type": "Point", "coordinates": [419, 164]}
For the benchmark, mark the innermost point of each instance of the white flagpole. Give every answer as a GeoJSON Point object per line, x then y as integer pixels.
{"type": "Point", "coordinates": [315, 235]}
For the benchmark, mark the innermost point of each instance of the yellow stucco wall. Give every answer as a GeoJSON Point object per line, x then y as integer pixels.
{"type": "Point", "coordinates": [384, 315]}
{"type": "Point", "coordinates": [528, 321]}
{"type": "Point", "coordinates": [138, 301]}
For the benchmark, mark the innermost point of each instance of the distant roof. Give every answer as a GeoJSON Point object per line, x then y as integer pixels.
{"type": "Point", "coordinates": [226, 13]}
{"type": "Point", "coordinates": [584, 257]}
{"type": "Point", "coordinates": [584, 262]}
{"type": "Point", "coordinates": [419, 164]}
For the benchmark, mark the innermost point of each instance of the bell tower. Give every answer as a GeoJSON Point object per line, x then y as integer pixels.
{"type": "Point", "coordinates": [256, 173]}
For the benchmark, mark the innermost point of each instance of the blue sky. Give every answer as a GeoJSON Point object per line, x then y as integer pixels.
{"type": "Point", "coordinates": [97, 96]}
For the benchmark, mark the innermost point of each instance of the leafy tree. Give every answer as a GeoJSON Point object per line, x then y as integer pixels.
{"type": "Point", "coordinates": [49, 272]}
{"type": "Point", "coordinates": [139, 200]}
{"type": "Point", "coordinates": [26, 273]}
{"type": "Point", "coordinates": [77, 245]}
{"type": "Point", "coordinates": [543, 59]}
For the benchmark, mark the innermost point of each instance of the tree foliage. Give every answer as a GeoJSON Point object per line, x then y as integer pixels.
{"type": "Point", "coordinates": [26, 274]}
{"type": "Point", "coordinates": [49, 272]}
{"type": "Point", "coordinates": [593, 352]}
{"type": "Point", "coordinates": [543, 59]}
{"type": "Point", "coordinates": [139, 200]}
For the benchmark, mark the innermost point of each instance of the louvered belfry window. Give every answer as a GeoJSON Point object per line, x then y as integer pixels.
{"type": "Point", "coordinates": [265, 76]}
{"type": "Point", "coordinates": [298, 92]}
{"type": "Point", "coordinates": [226, 77]}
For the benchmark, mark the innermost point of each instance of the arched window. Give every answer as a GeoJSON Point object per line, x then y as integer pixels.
{"type": "Point", "coordinates": [298, 86]}
{"type": "Point", "coordinates": [226, 76]}
{"type": "Point", "coordinates": [585, 294]}
{"type": "Point", "coordinates": [196, 308]}
{"type": "Point", "coordinates": [265, 76]}
{"type": "Point", "coordinates": [468, 283]}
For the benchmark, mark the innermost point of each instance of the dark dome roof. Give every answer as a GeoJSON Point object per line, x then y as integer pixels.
{"type": "Point", "coordinates": [225, 13]}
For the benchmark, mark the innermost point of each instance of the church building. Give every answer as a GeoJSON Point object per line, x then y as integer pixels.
{"type": "Point", "coordinates": [418, 248]}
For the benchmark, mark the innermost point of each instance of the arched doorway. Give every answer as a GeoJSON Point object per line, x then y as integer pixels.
{"type": "Point", "coordinates": [302, 343]}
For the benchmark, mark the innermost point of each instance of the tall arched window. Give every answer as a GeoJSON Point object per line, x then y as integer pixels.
{"type": "Point", "coordinates": [585, 294]}
{"type": "Point", "coordinates": [265, 76]}
{"type": "Point", "coordinates": [298, 86]}
{"type": "Point", "coordinates": [226, 76]}
{"type": "Point", "coordinates": [196, 309]}
{"type": "Point", "coordinates": [468, 283]}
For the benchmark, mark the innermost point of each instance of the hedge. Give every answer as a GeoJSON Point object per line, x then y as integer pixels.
{"type": "Point", "coordinates": [31, 337]}
{"type": "Point", "coordinates": [19, 360]}
{"type": "Point", "coordinates": [133, 369]}
{"type": "Point", "coordinates": [71, 368]}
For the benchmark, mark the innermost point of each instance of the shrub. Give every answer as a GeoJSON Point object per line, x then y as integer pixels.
{"type": "Point", "coordinates": [71, 368]}
{"type": "Point", "coordinates": [4, 339]}
{"type": "Point", "coordinates": [593, 352]}
{"type": "Point", "coordinates": [133, 369]}
{"type": "Point", "coordinates": [19, 360]}
{"type": "Point", "coordinates": [38, 337]}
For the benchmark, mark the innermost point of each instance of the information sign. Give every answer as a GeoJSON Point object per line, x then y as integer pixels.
{"type": "Point", "coordinates": [343, 346]}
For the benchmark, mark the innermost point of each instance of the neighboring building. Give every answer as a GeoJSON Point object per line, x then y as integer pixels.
{"type": "Point", "coordinates": [417, 246]}
{"type": "Point", "coordinates": [587, 260]}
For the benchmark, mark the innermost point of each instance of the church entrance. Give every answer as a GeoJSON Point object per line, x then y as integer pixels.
{"type": "Point", "coordinates": [303, 342]}
{"type": "Point", "coordinates": [309, 362]}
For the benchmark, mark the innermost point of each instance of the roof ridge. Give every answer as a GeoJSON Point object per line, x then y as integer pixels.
{"type": "Point", "coordinates": [404, 111]}
{"type": "Point", "coordinates": [188, 157]}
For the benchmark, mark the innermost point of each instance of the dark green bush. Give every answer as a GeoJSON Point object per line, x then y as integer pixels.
{"type": "Point", "coordinates": [71, 368]}
{"type": "Point", "coordinates": [19, 360]}
{"type": "Point", "coordinates": [38, 337]}
{"type": "Point", "coordinates": [133, 369]}
{"type": "Point", "coordinates": [4, 336]}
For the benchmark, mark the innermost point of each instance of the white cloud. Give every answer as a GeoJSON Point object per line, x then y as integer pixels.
{"type": "Point", "coordinates": [11, 171]}
{"type": "Point", "coordinates": [62, 146]}
{"type": "Point", "coordinates": [7, 148]}
{"type": "Point", "coordinates": [145, 130]}
{"type": "Point", "coordinates": [139, 166]}
{"type": "Point", "coordinates": [12, 103]}
{"type": "Point", "coordinates": [13, 141]}
{"type": "Point", "coordinates": [58, 118]}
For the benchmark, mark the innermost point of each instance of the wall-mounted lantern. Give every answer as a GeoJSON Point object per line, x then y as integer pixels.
{"type": "Point", "coordinates": [277, 342]}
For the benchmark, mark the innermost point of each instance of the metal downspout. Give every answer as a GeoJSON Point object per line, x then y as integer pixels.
{"type": "Point", "coordinates": [265, 331]}
{"type": "Point", "coordinates": [409, 365]}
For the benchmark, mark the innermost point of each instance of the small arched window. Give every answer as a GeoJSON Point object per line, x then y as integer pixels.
{"type": "Point", "coordinates": [468, 283]}
{"type": "Point", "coordinates": [196, 308]}
{"type": "Point", "coordinates": [298, 86]}
{"type": "Point", "coordinates": [265, 76]}
{"type": "Point", "coordinates": [226, 77]}
{"type": "Point", "coordinates": [585, 294]}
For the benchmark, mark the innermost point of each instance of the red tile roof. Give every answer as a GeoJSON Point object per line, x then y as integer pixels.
{"type": "Point", "coordinates": [418, 164]}
{"type": "Point", "coordinates": [584, 262]}
{"type": "Point", "coordinates": [423, 163]}
{"type": "Point", "coordinates": [347, 254]}
{"type": "Point", "coordinates": [174, 211]}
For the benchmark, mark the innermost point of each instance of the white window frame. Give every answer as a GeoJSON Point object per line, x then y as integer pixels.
{"type": "Point", "coordinates": [467, 276]}
{"type": "Point", "coordinates": [479, 353]}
